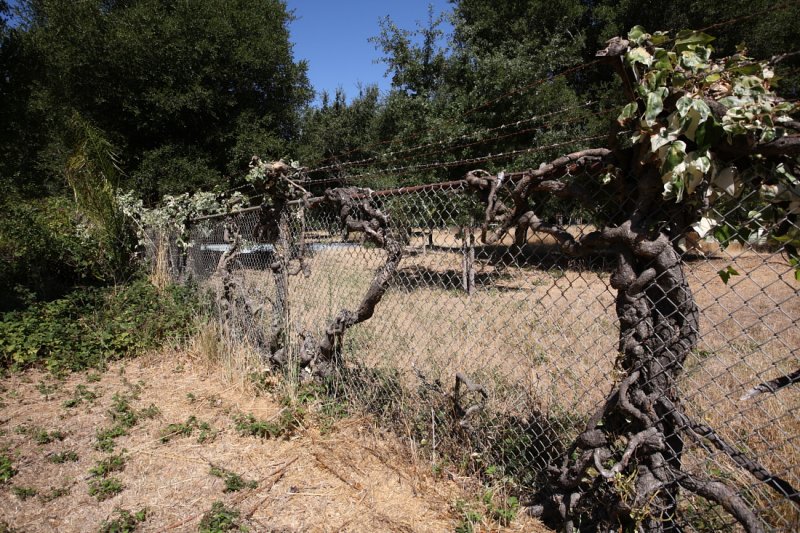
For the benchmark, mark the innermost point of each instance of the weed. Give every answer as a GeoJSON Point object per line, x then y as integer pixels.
{"type": "Point", "coordinates": [105, 488]}
{"type": "Point", "coordinates": [186, 429]}
{"type": "Point", "coordinates": [504, 511]}
{"type": "Point", "coordinates": [7, 470]}
{"type": "Point", "coordinates": [54, 494]}
{"type": "Point", "coordinates": [286, 425]}
{"type": "Point", "coordinates": [46, 390]}
{"type": "Point", "coordinates": [121, 411]}
{"type": "Point", "coordinates": [23, 493]}
{"type": "Point", "coordinates": [207, 433]}
{"type": "Point", "coordinates": [190, 397]}
{"type": "Point", "coordinates": [63, 457]}
{"type": "Point", "coordinates": [469, 518]}
{"type": "Point", "coordinates": [105, 438]}
{"type": "Point", "coordinates": [219, 519]}
{"type": "Point", "coordinates": [42, 436]}
{"type": "Point", "coordinates": [81, 393]}
{"type": "Point", "coordinates": [112, 463]}
{"type": "Point", "coordinates": [233, 481]}
{"type": "Point", "coordinates": [151, 411]}
{"type": "Point", "coordinates": [92, 377]}
{"type": "Point", "coordinates": [331, 411]}
{"type": "Point", "coordinates": [126, 522]}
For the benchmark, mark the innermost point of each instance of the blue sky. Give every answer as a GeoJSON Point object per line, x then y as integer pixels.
{"type": "Point", "coordinates": [332, 35]}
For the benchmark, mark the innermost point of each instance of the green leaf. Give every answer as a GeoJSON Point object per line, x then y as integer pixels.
{"type": "Point", "coordinates": [655, 105]}
{"type": "Point", "coordinates": [675, 154]}
{"type": "Point", "coordinates": [687, 38]}
{"type": "Point", "coordinates": [628, 112]}
{"type": "Point", "coordinates": [639, 55]}
{"type": "Point", "coordinates": [726, 273]}
{"type": "Point", "coordinates": [638, 35]}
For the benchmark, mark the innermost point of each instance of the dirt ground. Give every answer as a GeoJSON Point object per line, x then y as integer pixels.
{"type": "Point", "coordinates": [331, 475]}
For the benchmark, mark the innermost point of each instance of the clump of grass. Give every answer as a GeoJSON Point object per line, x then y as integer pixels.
{"type": "Point", "coordinates": [68, 456]}
{"type": "Point", "coordinates": [105, 488]}
{"type": "Point", "coordinates": [7, 470]}
{"type": "Point", "coordinates": [220, 518]}
{"type": "Point", "coordinates": [285, 426]}
{"type": "Point", "coordinates": [92, 377]}
{"type": "Point", "coordinates": [112, 463]}
{"type": "Point", "coordinates": [23, 493]}
{"type": "Point", "coordinates": [125, 522]}
{"type": "Point", "coordinates": [233, 481]}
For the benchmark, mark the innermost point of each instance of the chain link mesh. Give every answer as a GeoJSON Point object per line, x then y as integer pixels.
{"type": "Point", "coordinates": [532, 328]}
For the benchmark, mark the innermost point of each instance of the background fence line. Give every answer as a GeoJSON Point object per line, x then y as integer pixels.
{"type": "Point", "coordinates": [492, 357]}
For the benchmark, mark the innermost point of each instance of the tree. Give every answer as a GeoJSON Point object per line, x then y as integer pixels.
{"type": "Point", "coordinates": [696, 131]}
{"type": "Point", "coordinates": [182, 90]}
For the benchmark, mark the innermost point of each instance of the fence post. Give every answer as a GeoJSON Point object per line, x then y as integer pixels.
{"type": "Point", "coordinates": [467, 260]}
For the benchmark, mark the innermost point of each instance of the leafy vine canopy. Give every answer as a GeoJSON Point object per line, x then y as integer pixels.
{"type": "Point", "coordinates": [700, 121]}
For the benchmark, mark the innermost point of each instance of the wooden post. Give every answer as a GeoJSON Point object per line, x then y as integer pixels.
{"type": "Point", "coordinates": [467, 260]}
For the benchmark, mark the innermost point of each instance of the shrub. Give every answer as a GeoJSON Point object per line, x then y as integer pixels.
{"type": "Point", "coordinates": [90, 326]}
{"type": "Point", "coordinates": [42, 254]}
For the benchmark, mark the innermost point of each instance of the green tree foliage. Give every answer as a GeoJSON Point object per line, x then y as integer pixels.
{"type": "Point", "coordinates": [500, 65]}
{"type": "Point", "coordinates": [186, 90]}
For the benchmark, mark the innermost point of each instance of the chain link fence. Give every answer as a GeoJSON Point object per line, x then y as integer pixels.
{"type": "Point", "coordinates": [493, 358]}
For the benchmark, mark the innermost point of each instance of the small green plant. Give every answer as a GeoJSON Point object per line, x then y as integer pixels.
{"type": "Point", "coordinates": [151, 411]}
{"type": "Point", "coordinates": [23, 493]}
{"type": "Point", "coordinates": [289, 420]}
{"type": "Point", "coordinates": [68, 456]}
{"type": "Point", "coordinates": [184, 429]}
{"type": "Point", "coordinates": [105, 438]}
{"type": "Point", "coordinates": [469, 518]}
{"type": "Point", "coordinates": [53, 494]}
{"type": "Point", "coordinates": [92, 377]}
{"type": "Point", "coordinates": [42, 436]}
{"type": "Point", "coordinates": [105, 488]}
{"type": "Point", "coordinates": [219, 519]}
{"type": "Point", "coordinates": [125, 522]}
{"type": "Point", "coordinates": [46, 390]}
{"type": "Point", "coordinates": [501, 510]}
{"type": "Point", "coordinates": [7, 470]}
{"type": "Point", "coordinates": [190, 397]}
{"type": "Point", "coordinates": [233, 481]}
{"type": "Point", "coordinates": [81, 393]}
{"type": "Point", "coordinates": [112, 463]}
{"type": "Point", "coordinates": [207, 433]}
{"type": "Point", "coordinates": [121, 411]}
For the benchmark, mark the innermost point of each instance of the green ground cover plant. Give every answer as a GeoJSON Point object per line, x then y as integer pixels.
{"type": "Point", "coordinates": [92, 326]}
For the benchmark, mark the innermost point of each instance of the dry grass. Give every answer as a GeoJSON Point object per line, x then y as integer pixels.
{"type": "Point", "coordinates": [351, 478]}
{"type": "Point", "coordinates": [544, 336]}
{"type": "Point", "coordinates": [540, 333]}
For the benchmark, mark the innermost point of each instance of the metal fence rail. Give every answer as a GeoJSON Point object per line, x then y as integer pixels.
{"type": "Point", "coordinates": [534, 329]}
